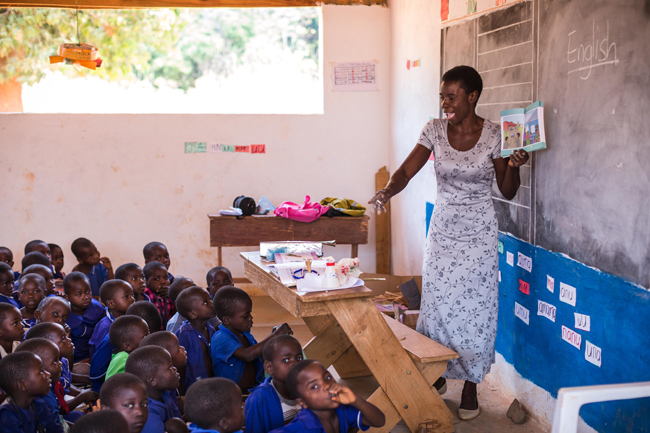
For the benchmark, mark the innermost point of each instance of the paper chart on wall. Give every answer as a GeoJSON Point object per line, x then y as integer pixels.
{"type": "Point", "coordinates": [354, 77]}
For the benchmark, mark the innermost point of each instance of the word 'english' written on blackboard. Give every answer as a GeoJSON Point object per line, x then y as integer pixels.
{"type": "Point", "coordinates": [596, 52]}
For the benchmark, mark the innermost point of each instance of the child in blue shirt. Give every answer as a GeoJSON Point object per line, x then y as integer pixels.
{"type": "Point", "coordinates": [101, 421]}
{"type": "Point", "coordinates": [195, 335]}
{"type": "Point", "coordinates": [23, 377]}
{"type": "Point", "coordinates": [97, 269]}
{"type": "Point", "coordinates": [157, 252]}
{"type": "Point", "coordinates": [217, 278]}
{"type": "Point", "coordinates": [153, 365]}
{"type": "Point", "coordinates": [321, 397]}
{"type": "Point", "coordinates": [7, 285]}
{"type": "Point", "coordinates": [215, 406]}
{"type": "Point", "coordinates": [270, 404]}
{"type": "Point", "coordinates": [175, 289]}
{"type": "Point", "coordinates": [132, 274]}
{"type": "Point", "coordinates": [31, 291]}
{"type": "Point", "coordinates": [117, 295]}
{"type": "Point", "coordinates": [45, 272]}
{"type": "Point", "coordinates": [236, 355]}
{"type": "Point", "coordinates": [127, 394]}
{"type": "Point", "coordinates": [57, 265]}
{"type": "Point", "coordinates": [86, 312]}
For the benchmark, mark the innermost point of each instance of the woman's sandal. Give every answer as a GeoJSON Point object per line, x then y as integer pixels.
{"type": "Point", "coordinates": [441, 385]}
{"type": "Point", "coordinates": [468, 393]}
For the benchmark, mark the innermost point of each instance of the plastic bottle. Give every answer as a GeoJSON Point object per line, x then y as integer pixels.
{"type": "Point", "coordinates": [331, 279]}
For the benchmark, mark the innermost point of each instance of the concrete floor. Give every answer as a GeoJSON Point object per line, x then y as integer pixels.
{"type": "Point", "coordinates": [267, 313]}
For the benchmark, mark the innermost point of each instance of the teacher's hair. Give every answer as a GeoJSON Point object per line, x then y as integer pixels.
{"type": "Point", "coordinates": [468, 78]}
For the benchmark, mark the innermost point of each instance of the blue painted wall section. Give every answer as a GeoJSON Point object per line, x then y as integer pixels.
{"type": "Point", "coordinates": [620, 326]}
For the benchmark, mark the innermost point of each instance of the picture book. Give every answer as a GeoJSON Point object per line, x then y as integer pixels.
{"type": "Point", "coordinates": [523, 128]}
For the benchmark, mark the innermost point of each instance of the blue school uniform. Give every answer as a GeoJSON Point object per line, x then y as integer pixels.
{"type": "Point", "coordinates": [307, 421]}
{"type": "Point", "coordinates": [263, 411]}
{"type": "Point", "coordinates": [82, 328]}
{"type": "Point", "coordinates": [191, 339]}
{"type": "Point", "coordinates": [14, 419]}
{"type": "Point", "coordinates": [9, 300]}
{"type": "Point", "coordinates": [196, 429]}
{"type": "Point", "coordinates": [175, 322]}
{"type": "Point", "coordinates": [101, 331]}
{"type": "Point", "coordinates": [97, 276]}
{"type": "Point", "coordinates": [159, 412]}
{"type": "Point", "coordinates": [16, 275]}
{"type": "Point", "coordinates": [66, 376]}
{"type": "Point", "coordinates": [224, 364]}
{"type": "Point", "coordinates": [99, 363]}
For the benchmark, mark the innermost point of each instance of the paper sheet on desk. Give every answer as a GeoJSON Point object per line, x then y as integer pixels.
{"type": "Point", "coordinates": [285, 273]}
{"type": "Point", "coordinates": [352, 282]}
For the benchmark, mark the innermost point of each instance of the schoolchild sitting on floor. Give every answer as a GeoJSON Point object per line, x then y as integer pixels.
{"type": "Point", "coordinates": [85, 313]}
{"type": "Point", "coordinates": [50, 355]}
{"type": "Point", "coordinates": [153, 365]}
{"type": "Point", "coordinates": [125, 334]}
{"type": "Point", "coordinates": [327, 406]}
{"type": "Point", "coordinates": [98, 269]}
{"type": "Point", "coordinates": [23, 377]}
{"type": "Point", "coordinates": [57, 264]}
{"type": "Point", "coordinates": [169, 342]}
{"type": "Point", "coordinates": [270, 404]}
{"type": "Point", "coordinates": [102, 421]}
{"type": "Point", "coordinates": [157, 252]}
{"type": "Point", "coordinates": [132, 274]}
{"type": "Point", "coordinates": [117, 296]}
{"type": "Point", "coordinates": [31, 291]}
{"type": "Point", "coordinates": [7, 256]}
{"type": "Point", "coordinates": [54, 309]}
{"type": "Point", "coordinates": [157, 289]}
{"type": "Point", "coordinates": [127, 394]}
{"type": "Point", "coordinates": [236, 355]}
{"type": "Point", "coordinates": [39, 246]}
{"type": "Point", "coordinates": [7, 285]}
{"type": "Point", "coordinates": [196, 333]}
{"type": "Point", "coordinates": [175, 289]}
{"type": "Point", "coordinates": [12, 330]}
{"type": "Point", "coordinates": [215, 406]}
{"type": "Point", "coordinates": [45, 272]}
{"type": "Point", "coordinates": [217, 278]}
{"type": "Point", "coordinates": [104, 353]}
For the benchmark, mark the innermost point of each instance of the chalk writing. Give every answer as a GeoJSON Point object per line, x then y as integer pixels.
{"type": "Point", "coordinates": [592, 54]}
{"type": "Point", "coordinates": [510, 258]}
{"type": "Point", "coordinates": [571, 337]}
{"type": "Point", "coordinates": [568, 294]}
{"type": "Point", "coordinates": [524, 287]}
{"type": "Point", "coordinates": [593, 353]}
{"type": "Point", "coordinates": [258, 148]}
{"type": "Point", "coordinates": [550, 283]}
{"type": "Point", "coordinates": [582, 322]}
{"type": "Point", "coordinates": [546, 310]}
{"type": "Point", "coordinates": [524, 262]}
{"type": "Point", "coordinates": [522, 313]}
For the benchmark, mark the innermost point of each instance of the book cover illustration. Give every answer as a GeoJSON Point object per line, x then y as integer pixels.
{"type": "Point", "coordinates": [523, 128]}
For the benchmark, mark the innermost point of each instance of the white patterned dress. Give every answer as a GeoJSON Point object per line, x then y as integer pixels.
{"type": "Point", "coordinates": [460, 290]}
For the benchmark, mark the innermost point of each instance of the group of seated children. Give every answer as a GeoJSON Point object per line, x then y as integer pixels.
{"type": "Point", "coordinates": [157, 354]}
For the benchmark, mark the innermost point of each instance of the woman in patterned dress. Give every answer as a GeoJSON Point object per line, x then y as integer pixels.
{"type": "Point", "coordinates": [460, 290]}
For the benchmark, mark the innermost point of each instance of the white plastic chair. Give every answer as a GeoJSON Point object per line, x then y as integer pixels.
{"type": "Point", "coordinates": [569, 401]}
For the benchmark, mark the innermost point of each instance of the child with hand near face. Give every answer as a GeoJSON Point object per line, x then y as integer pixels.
{"type": "Point", "coordinates": [86, 312]}
{"type": "Point", "coordinates": [23, 377]}
{"type": "Point", "coordinates": [327, 406]}
{"type": "Point", "coordinates": [127, 394]}
{"type": "Point", "coordinates": [157, 289]}
{"type": "Point", "coordinates": [215, 406]}
{"type": "Point", "coordinates": [117, 295]}
{"type": "Point", "coordinates": [236, 355]}
{"type": "Point", "coordinates": [196, 333]}
{"type": "Point", "coordinates": [97, 269]}
{"type": "Point", "coordinates": [132, 274]}
{"type": "Point", "coordinates": [125, 334]}
{"type": "Point", "coordinates": [153, 365]}
{"type": "Point", "coordinates": [31, 291]}
{"type": "Point", "coordinates": [270, 404]}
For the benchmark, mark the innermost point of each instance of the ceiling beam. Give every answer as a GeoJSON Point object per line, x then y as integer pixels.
{"type": "Point", "coordinates": [148, 4]}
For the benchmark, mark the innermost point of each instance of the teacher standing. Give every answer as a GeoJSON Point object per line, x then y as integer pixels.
{"type": "Point", "coordinates": [459, 307]}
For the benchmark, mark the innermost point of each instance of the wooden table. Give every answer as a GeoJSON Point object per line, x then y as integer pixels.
{"type": "Point", "coordinates": [228, 231]}
{"type": "Point", "coordinates": [351, 334]}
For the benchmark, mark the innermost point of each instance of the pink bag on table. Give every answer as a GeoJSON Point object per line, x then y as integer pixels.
{"type": "Point", "coordinates": [305, 213]}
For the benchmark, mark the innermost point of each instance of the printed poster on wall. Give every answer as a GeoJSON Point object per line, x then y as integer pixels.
{"type": "Point", "coordinates": [354, 77]}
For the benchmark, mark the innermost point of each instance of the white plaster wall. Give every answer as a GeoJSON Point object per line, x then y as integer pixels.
{"type": "Point", "coordinates": [415, 26]}
{"type": "Point", "coordinates": [124, 180]}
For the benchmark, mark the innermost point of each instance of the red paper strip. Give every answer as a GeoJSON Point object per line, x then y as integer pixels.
{"type": "Point", "coordinates": [524, 287]}
{"type": "Point", "coordinates": [243, 149]}
{"type": "Point", "coordinates": [258, 148]}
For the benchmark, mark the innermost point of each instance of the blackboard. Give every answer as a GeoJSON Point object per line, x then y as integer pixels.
{"type": "Point", "coordinates": [588, 194]}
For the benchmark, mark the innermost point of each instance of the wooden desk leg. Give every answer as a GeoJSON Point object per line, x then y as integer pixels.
{"type": "Point", "coordinates": [355, 251]}
{"type": "Point", "coordinates": [396, 373]}
{"type": "Point", "coordinates": [219, 262]}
